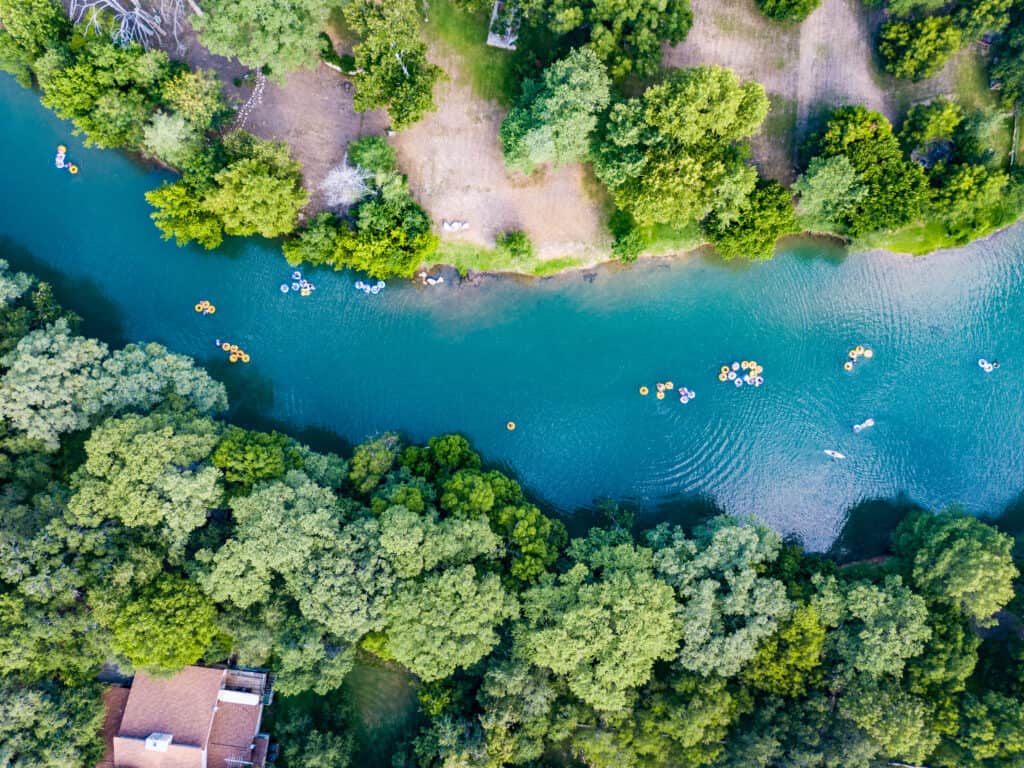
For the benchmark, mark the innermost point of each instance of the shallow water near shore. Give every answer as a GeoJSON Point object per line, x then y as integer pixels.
{"type": "Point", "coordinates": [564, 358]}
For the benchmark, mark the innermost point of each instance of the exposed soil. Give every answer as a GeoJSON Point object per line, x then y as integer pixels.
{"type": "Point", "coordinates": [312, 111]}
{"type": "Point", "coordinates": [456, 171]}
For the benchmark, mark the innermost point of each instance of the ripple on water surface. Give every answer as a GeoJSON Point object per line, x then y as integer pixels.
{"type": "Point", "coordinates": [564, 358]}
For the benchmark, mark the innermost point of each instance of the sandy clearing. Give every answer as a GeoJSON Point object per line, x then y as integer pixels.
{"type": "Point", "coordinates": [456, 171]}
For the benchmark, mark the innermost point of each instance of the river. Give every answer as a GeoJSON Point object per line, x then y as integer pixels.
{"type": "Point", "coordinates": [564, 358]}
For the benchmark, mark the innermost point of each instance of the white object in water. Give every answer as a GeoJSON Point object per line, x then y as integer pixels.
{"type": "Point", "coordinates": [867, 423]}
{"type": "Point", "coordinates": [834, 454]}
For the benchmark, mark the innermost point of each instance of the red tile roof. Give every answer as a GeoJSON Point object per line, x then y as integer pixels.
{"type": "Point", "coordinates": [187, 707]}
{"type": "Point", "coordinates": [182, 705]}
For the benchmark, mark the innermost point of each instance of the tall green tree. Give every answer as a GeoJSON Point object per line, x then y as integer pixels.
{"type": "Point", "coordinates": [554, 118]}
{"type": "Point", "coordinates": [391, 62]}
{"type": "Point", "coordinates": [676, 154]}
{"type": "Point", "coordinates": [626, 36]}
{"type": "Point", "coordinates": [601, 628]}
{"type": "Point", "coordinates": [265, 33]}
{"type": "Point", "coordinates": [765, 216]}
{"type": "Point", "coordinates": [960, 560]}
{"type": "Point", "coordinates": [728, 606]}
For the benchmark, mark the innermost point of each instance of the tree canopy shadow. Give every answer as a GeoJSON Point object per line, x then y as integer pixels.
{"type": "Point", "coordinates": [101, 317]}
{"type": "Point", "coordinates": [868, 527]}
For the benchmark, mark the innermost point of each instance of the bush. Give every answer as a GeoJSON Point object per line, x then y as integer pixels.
{"type": "Point", "coordinates": [516, 245]}
{"type": "Point", "coordinates": [787, 10]}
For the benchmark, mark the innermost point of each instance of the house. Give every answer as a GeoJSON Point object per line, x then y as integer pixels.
{"type": "Point", "coordinates": [199, 718]}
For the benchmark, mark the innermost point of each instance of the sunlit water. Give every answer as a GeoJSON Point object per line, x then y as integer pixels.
{"type": "Point", "coordinates": [564, 358]}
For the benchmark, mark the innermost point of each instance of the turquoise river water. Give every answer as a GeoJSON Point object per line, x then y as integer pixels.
{"type": "Point", "coordinates": [564, 357]}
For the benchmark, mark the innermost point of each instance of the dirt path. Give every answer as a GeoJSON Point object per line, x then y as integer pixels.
{"type": "Point", "coordinates": [456, 171]}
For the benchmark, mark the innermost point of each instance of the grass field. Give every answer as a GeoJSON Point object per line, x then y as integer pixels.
{"type": "Point", "coordinates": [386, 711]}
{"type": "Point", "coordinates": [487, 69]}
{"type": "Point", "coordinates": [466, 257]}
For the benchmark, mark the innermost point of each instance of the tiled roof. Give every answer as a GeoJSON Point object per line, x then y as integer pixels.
{"type": "Point", "coordinates": [182, 705]}
{"type": "Point", "coordinates": [197, 715]}
{"type": "Point", "coordinates": [132, 753]}
{"type": "Point", "coordinates": [114, 700]}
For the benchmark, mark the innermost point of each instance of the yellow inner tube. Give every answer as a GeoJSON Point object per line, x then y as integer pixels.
{"type": "Point", "coordinates": [226, 347]}
{"type": "Point", "coordinates": [233, 358]}
{"type": "Point", "coordinates": [724, 369]}
{"type": "Point", "coordinates": [723, 377]}
{"type": "Point", "coordinates": [73, 169]}
{"type": "Point", "coordinates": [511, 426]}
{"type": "Point", "coordinates": [211, 309]}
{"type": "Point", "coordinates": [245, 357]}
{"type": "Point", "coordinates": [233, 347]}
{"type": "Point", "coordinates": [644, 390]}
{"type": "Point", "coordinates": [669, 385]}
{"type": "Point", "coordinates": [199, 307]}
{"type": "Point", "coordinates": [660, 395]}
{"type": "Point", "coordinates": [847, 366]}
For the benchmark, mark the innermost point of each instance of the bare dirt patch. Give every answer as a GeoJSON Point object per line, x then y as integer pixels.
{"type": "Point", "coordinates": [456, 171]}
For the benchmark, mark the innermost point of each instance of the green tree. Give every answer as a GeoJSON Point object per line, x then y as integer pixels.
{"type": "Point", "coordinates": [265, 33]}
{"type": "Point", "coordinates": [446, 621]}
{"type": "Point", "coordinates": [728, 606]}
{"type": "Point", "coordinates": [787, 10]}
{"type": "Point", "coordinates": [790, 661]}
{"type": "Point", "coordinates": [371, 461]}
{"type": "Point", "coordinates": [259, 191]}
{"type": "Point", "coordinates": [247, 457]}
{"type": "Point", "coordinates": [900, 722]}
{"type": "Point", "coordinates": [765, 216]}
{"type": "Point", "coordinates": [391, 62]}
{"type": "Point", "coordinates": [555, 117]}
{"type": "Point", "coordinates": [675, 154]}
{"type": "Point", "coordinates": [969, 199]}
{"type": "Point", "coordinates": [50, 726]}
{"type": "Point", "coordinates": [682, 722]}
{"type": "Point", "coordinates": [180, 214]}
{"type": "Point", "coordinates": [414, 544]}
{"type": "Point", "coordinates": [108, 91]}
{"type": "Point", "coordinates": [895, 189]}
{"type": "Point", "coordinates": [878, 627]}
{"type": "Point", "coordinates": [156, 467]}
{"type": "Point", "coordinates": [197, 97]}
{"type": "Point", "coordinates": [830, 191]}
{"type": "Point", "coordinates": [627, 36]}
{"type": "Point", "coordinates": [602, 631]}
{"type": "Point", "coordinates": [171, 139]}
{"type": "Point", "coordinates": [166, 627]}
{"type": "Point", "coordinates": [918, 49]}
{"type": "Point", "coordinates": [960, 560]}
{"type": "Point", "coordinates": [935, 121]}
{"type": "Point", "coordinates": [28, 29]}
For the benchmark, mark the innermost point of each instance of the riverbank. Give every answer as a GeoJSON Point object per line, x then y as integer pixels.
{"type": "Point", "coordinates": [564, 358]}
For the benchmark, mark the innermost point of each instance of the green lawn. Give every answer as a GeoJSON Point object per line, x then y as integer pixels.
{"type": "Point", "coordinates": [487, 69]}
{"type": "Point", "coordinates": [385, 710]}
{"type": "Point", "coordinates": [466, 257]}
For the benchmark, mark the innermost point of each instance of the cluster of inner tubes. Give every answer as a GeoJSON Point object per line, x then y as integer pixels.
{"type": "Point", "coordinates": [204, 307]}
{"type": "Point", "coordinates": [304, 287]}
{"type": "Point", "coordinates": [856, 354]}
{"type": "Point", "coordinates": [61, 160]}
{"type": "Point", "coordinates": [235, 353]}
{"type": "Point", "coordinates": [368, 289]}
{"type": "Point", "coordinates": [685, 395]}
{"type": "Point", "coordinates": [986, 366]}
{"type": "Point", "coordinates": [734, 373]}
